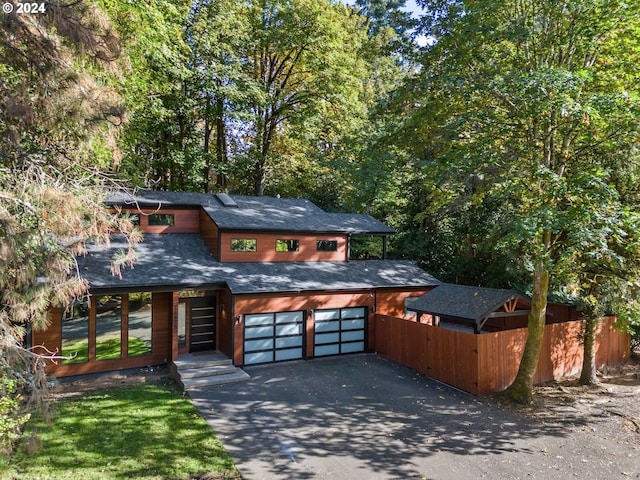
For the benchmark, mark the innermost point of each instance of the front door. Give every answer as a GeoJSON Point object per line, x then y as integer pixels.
{"type": "Point", "coordinates": [203, 324]}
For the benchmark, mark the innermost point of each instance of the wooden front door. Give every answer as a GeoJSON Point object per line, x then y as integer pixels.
{"type": "Point", "coordinates": [203, 324]}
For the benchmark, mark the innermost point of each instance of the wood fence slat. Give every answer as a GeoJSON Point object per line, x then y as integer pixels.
{"type": "Point", "coordinates": [487, 363]}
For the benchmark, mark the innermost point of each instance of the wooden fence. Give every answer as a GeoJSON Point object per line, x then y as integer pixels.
{"type": "Point", "coordinates": [487, 363]}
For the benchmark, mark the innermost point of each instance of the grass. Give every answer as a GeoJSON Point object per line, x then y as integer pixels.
{"type": "Point", "coordinates": [105, 349]}
{"type": "Point", "coordinates": [144, 431]}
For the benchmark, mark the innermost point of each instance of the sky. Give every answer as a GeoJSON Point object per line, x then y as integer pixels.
{"type": "Point", "coordinates": [410, 7]}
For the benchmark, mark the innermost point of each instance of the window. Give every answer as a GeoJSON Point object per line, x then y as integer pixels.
{"type": "Point", "coordinates": [162, 220]}
{"type": "Point", "coordinates": [287, 245]}
{"type": "Point", "coordinates": [244, 244]}
{"type": "Point", "coordinates": [108, 326]}
{"type": "Point", "coordinates": [139, 324]}
{"type": "Point", "coordinates": [182, 324]}
{"type": "Point", "coordinates": [75, 334]}
{"type": "Point", "coordinates": [327, 246]}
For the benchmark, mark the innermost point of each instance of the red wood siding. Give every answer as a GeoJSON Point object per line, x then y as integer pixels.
{"type": "Point", "coordinates": [224, 323]}
{"type": "Point", "coordinates": [209, 233]}
{"type": "Point", "coordinates": [266, 248]}
{"type": "Point", "coordinates": [186, 220]}
{"type": "Point", "coordinates": [487, 363]}
{"type": "Point", "coordinates": [51, 336]}
{"type": "Point", "coordinates": [391, 301]}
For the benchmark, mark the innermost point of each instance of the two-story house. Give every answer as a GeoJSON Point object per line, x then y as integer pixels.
{"type": "Point", "coordinates": [258, 279]}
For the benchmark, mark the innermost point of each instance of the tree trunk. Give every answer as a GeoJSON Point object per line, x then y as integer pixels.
{"type": "Point", "coordinates": [588, 374]}
{"type": "Point", "coordinates": [221, 143]}
{"type": "Point", "coordinates": [521, 390]}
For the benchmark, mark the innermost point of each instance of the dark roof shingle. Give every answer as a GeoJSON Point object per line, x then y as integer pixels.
{"type": "Point", "coordinates": [184, 261]}
{"type": "Point", "coordinates": [267, 214]}
{"type": "Point", "coordinates": [463, 302]}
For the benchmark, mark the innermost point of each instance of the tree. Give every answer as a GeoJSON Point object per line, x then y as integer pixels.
{"type": "Point", "coordinates": [161, 141]}
{"type": "Point", "coordinates": [541, 99]}
{"type": "Point", "coordinates": [302, 57]}
{"type": "Point", "coordinates": [58, 131]}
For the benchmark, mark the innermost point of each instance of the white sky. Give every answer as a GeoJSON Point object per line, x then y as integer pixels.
{"type": "Point", "coordinates": [410, 7]}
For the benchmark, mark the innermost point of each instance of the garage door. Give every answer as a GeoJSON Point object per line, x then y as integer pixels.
{"type": "Point", "coordinates": [339, 330]}
{"type": "Point", "coordinates": [273, 337]}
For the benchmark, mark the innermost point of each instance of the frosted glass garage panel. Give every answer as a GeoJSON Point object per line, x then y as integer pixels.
{"type": "Point", "coordinates": [353, 312]}
{"type": "Point", "coordinates": [327, 338]}
{"type": "Point", "coordinates": [327, 314]}
{"type": "Point", "coordinates": [352, 336]}
{"type": "Point", "coordinates": [287, 342]}
{"type": "Point", "coordinates": [352, 324]}
{"type": "Point", "coordinates": [352, 347]}
{"type": "Point", "coordinates": [258, 319]}
{"type": "Point", "coordinates": [290, 354]}
{"type": "Point", "coordinates": [264, 344]}
{"type": "Point", "coordinates": [259, 357]}
{"type": "Point", "coordinates": [333, 326]}
{"type": "Point", "coordinates": [288, 317]}
{"type": "Point", "coordinates": [256, 332]}
{"type": "Point", "coordinates": [321, 350]}
{"type": "Point", "coordinates": [291, 329]}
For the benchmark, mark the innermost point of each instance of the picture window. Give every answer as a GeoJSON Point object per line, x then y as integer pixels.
{"type": "Point", "coordinates": [244, 245]}
{"type": "Point", "coordinates": [287, 245]}
{"type": "Point", "coordinates": [162, 220]}
{"type": "Point", "coordinates": [327, 246]}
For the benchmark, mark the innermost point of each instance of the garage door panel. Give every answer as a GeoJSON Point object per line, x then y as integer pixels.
{"type": "Point", "coordinates": [352, 347]}
{"type": "Point", "coordinates": [294, 329]}
{"type": "Point", "coordinates": [333, 314]}
{"type": "Point", "coordinates": [327, 338]}
{"type": "Point", "coordinates": [353, 336]}
{"type": "Point", "coordinates": [339, 331]}
{"type": "Point", "coordinates": [262, 344]}
{"type": "Point", "coordinates": [288, 317]}
{"type": "Point", "coordinates": [352, 324]}
{"type": "Point", "coordinates": [257, 332]}
{"type": "Point", "coordinates": [352, 312]}
{"type": "Point", "coordinates": [288, 342]}
{"type": "Point", "coordinates": [322, 350]}
{"type": "Point", "coordinates": [292, 354]}
{"type": "Point", "coordinates": [258, 357]}
{"type": "Point", "coordinates": [273, 337]}
{"type": "Point", "coordinates": [331, 326]}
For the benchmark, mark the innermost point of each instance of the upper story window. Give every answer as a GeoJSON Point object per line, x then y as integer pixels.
{"type": "Point", "coordinates": [327, 245]}
{"type": "Point", "coordinates": [162, 220]}
{"type": "Point", "coordinates": [287, 245]}
{"type": "Point", "coordinates": [244, 244]}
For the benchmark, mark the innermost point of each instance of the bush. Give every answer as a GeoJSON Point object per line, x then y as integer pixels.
{"type": "Point", "coordinates": [11, 417]}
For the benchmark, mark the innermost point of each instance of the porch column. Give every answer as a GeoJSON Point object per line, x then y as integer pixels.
{"type": "Point", "coordinates": [175, 298]}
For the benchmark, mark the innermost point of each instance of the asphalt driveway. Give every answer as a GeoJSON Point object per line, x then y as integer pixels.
{"type": "Point", "coordinates": [361, 417]}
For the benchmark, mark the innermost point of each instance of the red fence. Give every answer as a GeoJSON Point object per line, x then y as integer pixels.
{"type": "Point", "coordinates": [486, 363]}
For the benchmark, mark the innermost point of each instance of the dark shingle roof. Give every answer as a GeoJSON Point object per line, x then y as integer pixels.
{"type": "Point", "coordinates": [313, 276]}
{"type": "Point", "coordinates": [162, 260]}
{"type": "Point", "coordinates": [463, 302]}
{"type": "Point", "coordinates": [184, 261]}
{"type": "Point", "coordinates": [266, 214]}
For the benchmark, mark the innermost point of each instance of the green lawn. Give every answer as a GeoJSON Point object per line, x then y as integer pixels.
{"type": "Point", "coordinates": [144, 431]}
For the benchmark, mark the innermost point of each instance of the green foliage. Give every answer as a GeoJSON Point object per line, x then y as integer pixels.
{"type": "Point", "coordinates": [12, 416]}
{"type": "Point", "coordinates": [528, 117]}
{"type": "Point", "coordinates": [59, 114]}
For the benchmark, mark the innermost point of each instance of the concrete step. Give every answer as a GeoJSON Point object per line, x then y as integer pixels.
{"type": "Point", "coordinates": [201, 362]}
{"type": "Point", "coordinates": [200, 382]}
{"type": "Point", "coordinates": [206, 371]}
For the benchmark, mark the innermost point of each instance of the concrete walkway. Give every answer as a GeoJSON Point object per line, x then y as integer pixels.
{"type": "Point", "coordinates": [361, 417]}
